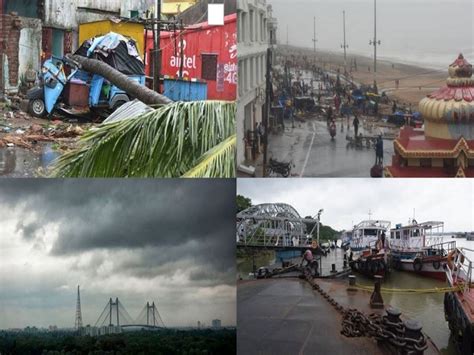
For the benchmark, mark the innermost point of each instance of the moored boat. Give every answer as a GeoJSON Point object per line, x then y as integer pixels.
{"type": "Point", "coordinates": [419, 248]}
{"type": "Point", "coordinates": [369, 252]}
{"type": "Point", "coordinates": [459, 304]}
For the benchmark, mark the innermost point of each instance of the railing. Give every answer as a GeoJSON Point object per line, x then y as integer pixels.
{"type": "Point", "coordinates": [261, 234]}
{"type": "Point", "coordinates": [444, 246]}
{"type": "Point", "coordinates": [415, 243]}
{"type": "Point", "coordinates": [459, 273]}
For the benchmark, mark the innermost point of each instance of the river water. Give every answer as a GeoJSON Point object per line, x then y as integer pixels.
{"type": "Point", "coordinates": [426, 308]}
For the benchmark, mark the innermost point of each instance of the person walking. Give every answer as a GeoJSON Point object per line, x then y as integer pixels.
{"type": "Point", "coordinates": [355, 123]}
{"type": "Point", "coordinates": [379, 151]}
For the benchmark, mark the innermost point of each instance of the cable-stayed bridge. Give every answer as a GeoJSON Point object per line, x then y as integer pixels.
{"type": "Point", "coordinates": [115, 314]}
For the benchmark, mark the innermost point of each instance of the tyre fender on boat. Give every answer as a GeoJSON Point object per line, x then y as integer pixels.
{"type": "Point", "coordinates": [417, 264]}
{"type": "Point", "coordinates": [467, 346]}
{"type": "Point", "coordinates": [436, 264]}
{"type": "Point", "coordinates": [398, 264]}
{"type": "Point", "coordinates": [374, 267]}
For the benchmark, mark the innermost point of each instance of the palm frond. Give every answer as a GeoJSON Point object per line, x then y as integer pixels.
{"type": "Point", "coordinates": [218, 161]}
{"type": "Point", "coordinates": [166, 142]}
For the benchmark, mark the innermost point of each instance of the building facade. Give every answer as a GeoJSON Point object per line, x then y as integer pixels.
{"type": "Point", "coordinates": [255, 30]}
{"type": "Point", "coordinates": [32, 30]}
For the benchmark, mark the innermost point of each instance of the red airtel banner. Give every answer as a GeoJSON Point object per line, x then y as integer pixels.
{"type": "Point", "coordinates": [217, 45]}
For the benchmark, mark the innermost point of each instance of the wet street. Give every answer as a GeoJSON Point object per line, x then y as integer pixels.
{"type": "Point", "coordinates": [286, 316]}
{"type": "Point", "coordinates": [314, 154]}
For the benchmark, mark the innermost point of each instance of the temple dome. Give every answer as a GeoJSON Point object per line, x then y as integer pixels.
{"type": "Point", "coordinates": [449, 111]}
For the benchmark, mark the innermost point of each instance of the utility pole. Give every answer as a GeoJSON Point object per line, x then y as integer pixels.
{"type": "Point", "coordinates": [375, 43]}
{"type": "Point", "coordinates": [314, 34]}
{"type": "Point", "coordinates": [156, 47]}
{"type": "Point", "coordinates": [345, 46]}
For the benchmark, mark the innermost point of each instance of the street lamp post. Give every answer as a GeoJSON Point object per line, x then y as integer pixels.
{"type": "Point", "coordinates": [345, 46]}
{"type": "Point", "coordinates": [375, 43]}
{"type": "Point", "coordinates": [314, 34]}
{"type": "Point", "coordinates": [319, 221]}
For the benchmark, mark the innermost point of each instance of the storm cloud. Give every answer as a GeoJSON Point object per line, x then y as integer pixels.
{"type": "Point", "coordinates": [172, 239]}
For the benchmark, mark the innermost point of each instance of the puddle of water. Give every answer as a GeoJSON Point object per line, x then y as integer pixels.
{"type": "Point", "coordinates": [20, 162]}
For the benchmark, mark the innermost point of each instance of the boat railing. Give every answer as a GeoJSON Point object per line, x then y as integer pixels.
{"type": "Point", "coordinates": [431, 241]}
{"type": "Point", "coordinates": [444, 246]}
{"type": "Point", "coordinates": [459, 269]}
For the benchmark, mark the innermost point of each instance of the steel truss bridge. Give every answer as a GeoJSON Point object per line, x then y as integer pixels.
{"type": "Point", "coordinates": [274, 226]}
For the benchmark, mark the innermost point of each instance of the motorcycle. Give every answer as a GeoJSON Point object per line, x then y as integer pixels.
{"type": "Point", "coordinates": [332, 130]}
{"type": "Point", "coordinates": [281, 168]}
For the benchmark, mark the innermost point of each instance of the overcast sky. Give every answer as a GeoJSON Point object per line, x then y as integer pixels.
{"type": "Point", "coordinates": [426, 31]}
{"type": "Point", "coordinates": [163, 240]}
{"type": "Point", "coordinates": [348, 201]}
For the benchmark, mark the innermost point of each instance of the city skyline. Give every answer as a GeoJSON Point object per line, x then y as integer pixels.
{"type": "Point", "coordinates": [136, 240]}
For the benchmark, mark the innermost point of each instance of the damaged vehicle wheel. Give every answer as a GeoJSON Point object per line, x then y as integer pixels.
{"type": "Point", "coordinates": [37, 108]}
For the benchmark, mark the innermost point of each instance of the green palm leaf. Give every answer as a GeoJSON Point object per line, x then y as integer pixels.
{"type": "Point", "coordinates": [166, 142]}
{"type": "Point", "coordinates": [218, 161]}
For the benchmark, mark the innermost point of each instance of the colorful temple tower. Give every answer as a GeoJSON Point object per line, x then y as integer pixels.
{"type": "Point", "coordinates": [445, 146]}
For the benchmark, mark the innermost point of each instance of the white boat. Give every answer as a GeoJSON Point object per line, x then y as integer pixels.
{"type": "Point", "coordinates": [367, 233]}
{"type": "Point", "coordinates": [369, 248]}
{"type": "Point", "coordinates": [418, 247]}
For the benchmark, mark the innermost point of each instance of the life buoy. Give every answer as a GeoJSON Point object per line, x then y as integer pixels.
{"type": "Point", "coordinates": [436, 264]}
{"type": "Point", "coordinates": [417, 264]}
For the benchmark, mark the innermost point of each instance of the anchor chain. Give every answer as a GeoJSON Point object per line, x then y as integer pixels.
{"type": "Point", "coordinates": [357, 324]}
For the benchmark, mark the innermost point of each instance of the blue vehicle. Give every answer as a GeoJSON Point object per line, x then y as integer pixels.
{"type": "Point", "coordinates": [64, 85]}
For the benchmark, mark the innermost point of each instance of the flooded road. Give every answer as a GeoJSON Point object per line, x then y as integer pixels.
{"type": "Point", "coordinates": [427, 308]}
{"type": "Point", "coordinates": [20, 162]}
{"type": "Point", "coordinates": [309, 145]}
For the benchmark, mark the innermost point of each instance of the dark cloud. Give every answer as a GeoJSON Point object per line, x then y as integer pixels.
{"type": "Point", "coordinates": [162, 220]}
{"type": "Point", "coordinates": [29, 230]}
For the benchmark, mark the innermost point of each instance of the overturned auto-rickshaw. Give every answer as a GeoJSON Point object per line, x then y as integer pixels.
{"type": "Point", "coordinates": [65, 86]}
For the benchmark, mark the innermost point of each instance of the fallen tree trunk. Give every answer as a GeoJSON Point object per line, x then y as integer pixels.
{"type": "Point", "coordinates": [120, 80]}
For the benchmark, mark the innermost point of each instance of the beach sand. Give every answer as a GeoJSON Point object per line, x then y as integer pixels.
{"type": "Point", "coordinates": [414, 82]}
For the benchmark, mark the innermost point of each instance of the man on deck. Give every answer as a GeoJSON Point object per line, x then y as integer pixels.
{"type": "Point", "coordinates": [310, 262]}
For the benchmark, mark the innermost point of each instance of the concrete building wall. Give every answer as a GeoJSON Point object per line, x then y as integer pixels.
{"type": "Point", "coordinates": [29, 46]}
{"type": "Point", "coordinates": [60, 14]}
{"type": "Point", "coordinates": [135, 5]}
{"type": "Point", "coordinates": [252, 45]}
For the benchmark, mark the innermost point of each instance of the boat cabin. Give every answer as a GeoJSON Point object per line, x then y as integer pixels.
{"type": "Point", "coordinates": [366, 234]}
{"type": "Point", "coordinates": [416, 236]}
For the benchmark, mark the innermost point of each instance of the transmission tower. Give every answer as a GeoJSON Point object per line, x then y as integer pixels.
{"type": "Point", "coordinates": [78, 321]}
